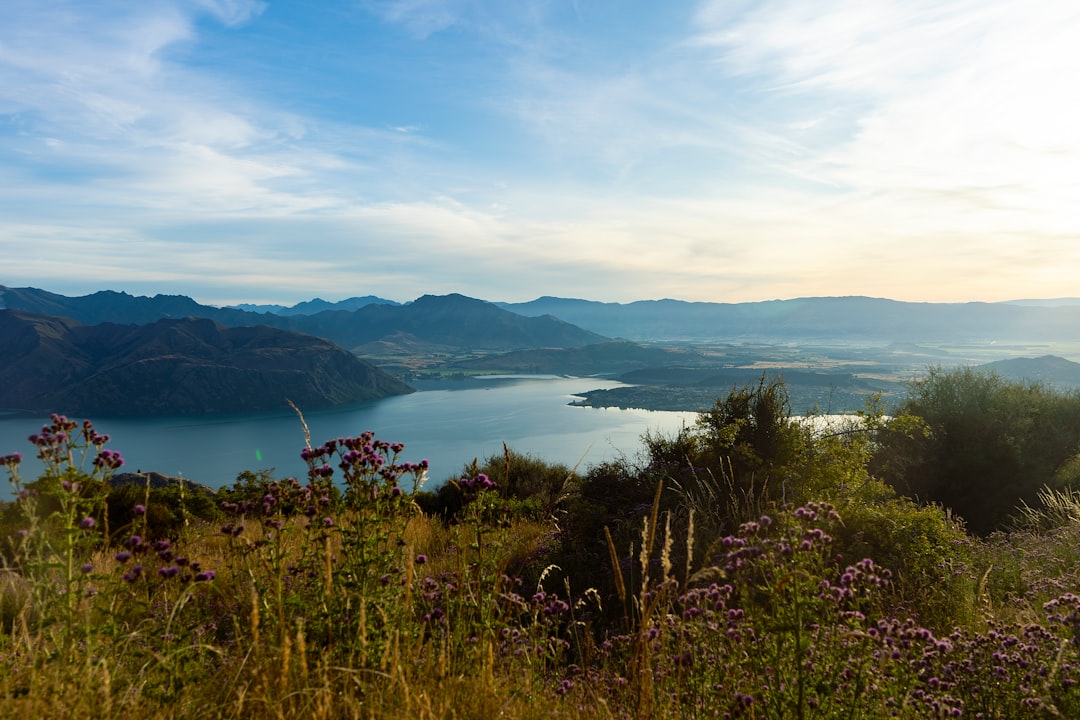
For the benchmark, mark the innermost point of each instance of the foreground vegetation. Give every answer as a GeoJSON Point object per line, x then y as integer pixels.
{"type": "Point", "coordinates": [752, 566]}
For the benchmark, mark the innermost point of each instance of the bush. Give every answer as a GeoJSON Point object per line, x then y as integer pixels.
{"type": "Point", "coordinates": [529, 488]}
{"type": "Point", "coordinates": [992, 444]}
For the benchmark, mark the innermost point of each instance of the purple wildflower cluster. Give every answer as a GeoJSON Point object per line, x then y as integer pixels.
{"type": "Point", "coordinates": [366, 464]}
{"type": "Point", "coordinates": [791, 632]}
{"type": "Point", "coordinates": [62, 439]}
{"type": "Point", "coordinates": [280, 501]}
{"type": "Point", "coordinates": [479, 483]}
{"type": "Point", "coordinates": [161, 553]}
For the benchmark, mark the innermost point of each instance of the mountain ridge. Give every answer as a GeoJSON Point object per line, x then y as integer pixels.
{"type": "Point", "coordinates": [453, 319]}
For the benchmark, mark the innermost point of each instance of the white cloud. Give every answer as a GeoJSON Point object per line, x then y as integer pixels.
{"type": "Point", "coordinates": [232, 12]}
{"type": "Point", "coordinates": [968, 100]}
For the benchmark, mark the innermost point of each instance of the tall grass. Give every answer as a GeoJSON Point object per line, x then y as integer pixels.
{"type": "Point", "coordinates": [336, 597]}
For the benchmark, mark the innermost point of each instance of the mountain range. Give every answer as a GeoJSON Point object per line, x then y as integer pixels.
{"type": "Point", "coordinates": [463, 322]}
{"type": "Point", "coordinates": [822, 318]}
{"type": "Point", "coordinates": [449, 320]}
{"type": "Point", "coordinates": [316, 305]}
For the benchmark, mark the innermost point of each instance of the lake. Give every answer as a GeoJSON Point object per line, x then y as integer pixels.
{"type": "Point", "coordinates": [449, 422]}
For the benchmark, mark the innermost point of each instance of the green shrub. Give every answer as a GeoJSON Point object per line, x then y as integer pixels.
{"type": "Point", "coordinates": [992, 444]}
{"type": "Point", "coordinates": [529, 488]}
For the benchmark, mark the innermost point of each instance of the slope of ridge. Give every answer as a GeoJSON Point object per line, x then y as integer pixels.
{"type": "Point", "coordinates": [184, 367]}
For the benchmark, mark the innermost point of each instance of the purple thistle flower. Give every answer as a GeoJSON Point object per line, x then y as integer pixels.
{"type": "Point", "coordinates": [139, 509]}
{"type": "Point", "coordinates": [123, 556]}
{"type": "Point", "coordinates": [204, 576]}
{"type": "Point", "coordinates": [87, 523]}
{"type": "Point", "coordinates": [421, 559]}
{"type": "Point", "coordinates": [87, 568]}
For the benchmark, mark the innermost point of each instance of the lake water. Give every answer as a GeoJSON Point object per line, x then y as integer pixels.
{"type": "Point", "coordinates": [449, 422]}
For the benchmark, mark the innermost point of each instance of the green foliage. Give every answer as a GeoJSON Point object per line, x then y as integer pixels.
{"type": "Point", "coordinates": [992, 444]}
{"type": "Point", "coordinates": [164, 512]}
{"type": "Point", "coordinates": [750, 432]}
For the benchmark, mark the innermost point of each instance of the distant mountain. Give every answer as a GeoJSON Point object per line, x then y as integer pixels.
{"type": "Point", "coordinates": [183, 367]}
{"type": "Point", "coordinates": [1046, 302]}
{"type": "Point", "coordinates": [1048, 369]}
{"type": "Point", "coordinates": [310, 307]}
{"type": "Point", "coordinates": [448, 320]}
{"type": "Point", "coordinates": [121, 308]}
{"type": "Point", "coordinates": [453, 321]}
{"type": "Point", "coordinates": [825, 318]}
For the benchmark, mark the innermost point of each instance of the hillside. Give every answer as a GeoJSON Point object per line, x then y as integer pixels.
{"type": "Point", "coordinates": [184, 367]}
{"type": "Point", "coordinates": [1048, 369]}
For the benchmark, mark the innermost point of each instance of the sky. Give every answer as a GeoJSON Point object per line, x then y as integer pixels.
{"type": "Point", "coordinates": [614, 150]}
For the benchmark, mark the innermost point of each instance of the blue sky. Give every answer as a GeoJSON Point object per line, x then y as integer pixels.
{"type": "Point", "coordinates": [720, 150]}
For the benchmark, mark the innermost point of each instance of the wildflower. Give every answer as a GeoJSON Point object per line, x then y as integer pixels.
{"type": "Point", "coordinates": [87, 523]}
{"type": "Point", "coordinates": [421, 559]}
{"type": "Point", "coordinates": [204, 576]}
{"type": "Point", "coordinates": [139, 509]}
{"type": "Point", "coordinates": [123, 556]}
{"type": "Point", "coordinates": [86, 568]}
